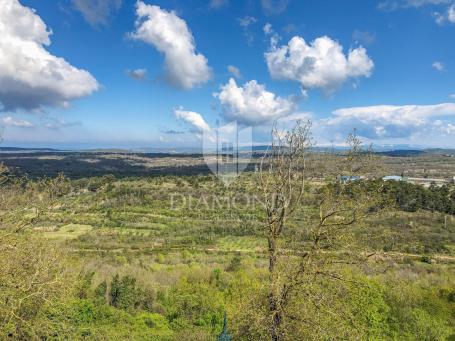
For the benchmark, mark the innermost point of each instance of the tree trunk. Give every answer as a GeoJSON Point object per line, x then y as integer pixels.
{"type": "Point", "coordinates": [275, 311]}
{"type": "Point", "coordinates": [275, 327]}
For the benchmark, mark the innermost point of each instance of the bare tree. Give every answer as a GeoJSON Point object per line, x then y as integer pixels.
{"type": "Point", "coordinates": [289, 171]}
{"type": "Point", "coordinates": [282, 176]}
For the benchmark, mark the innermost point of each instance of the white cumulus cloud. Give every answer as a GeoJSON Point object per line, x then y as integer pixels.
{"type": "Point", "coordinates": [195, 120]}
{"type": "Point", "coordinates": [30, 76]}
{"type": "Point", "coordinates": [444, 127]}
{"type": "Point", "coordinates": [390, 121]}
{"type": "Point", "coordinates": [447, 16]}
{"type": "Point", "coordinates": [10, 121]}
{"type": "Point", "coordinates": [252, 104]}
{"type": "Point", "coordinates": [170, 35]}
{"type": "Point", "coordinates": [319, 64]}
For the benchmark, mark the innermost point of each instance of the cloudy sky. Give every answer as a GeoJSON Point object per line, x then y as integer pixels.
{"type": "Point", "coordinates": [121, 73]}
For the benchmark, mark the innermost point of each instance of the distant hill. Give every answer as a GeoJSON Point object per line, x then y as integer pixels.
{"type": "Point", "coordinates": [403, 152]}
{"type": "Point", "coordinates": [440, 151]}
{"type": "Point", "coordinates": [393, 151]}
{"type": "Point", "coordinates": [105, 150]}
{"type": "Point", "coordinates": [18, 149]}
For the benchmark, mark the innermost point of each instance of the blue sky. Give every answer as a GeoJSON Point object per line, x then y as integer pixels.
{"type": "Point", "coordinates": [155, 73]}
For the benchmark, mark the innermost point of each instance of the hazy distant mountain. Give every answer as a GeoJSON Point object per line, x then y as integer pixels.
{"type": "Point", "coordinates": [18, 149]}
{"type": "Point", "coordinates": [390, 150]}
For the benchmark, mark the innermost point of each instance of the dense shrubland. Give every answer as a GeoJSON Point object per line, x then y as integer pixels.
{"type": "Point", "coordinates": [102, 258]}
{"type": "Point", "coordinates": [411, 198]}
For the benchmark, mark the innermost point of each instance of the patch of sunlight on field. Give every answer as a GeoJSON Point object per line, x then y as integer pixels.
{"type": "Point", "coordinates": [70, 231]}
{"type": "Point", "coordinates": [241, 243]}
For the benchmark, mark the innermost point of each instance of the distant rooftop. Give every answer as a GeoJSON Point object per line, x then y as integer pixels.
{"type": "Point", "coordinates": [393, 177]}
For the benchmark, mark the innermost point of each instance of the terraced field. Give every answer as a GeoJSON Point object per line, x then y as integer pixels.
{"type": "Point", "coordinates": [185, 249]}
{"type": "Point", "coordinates": [176, 213]}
